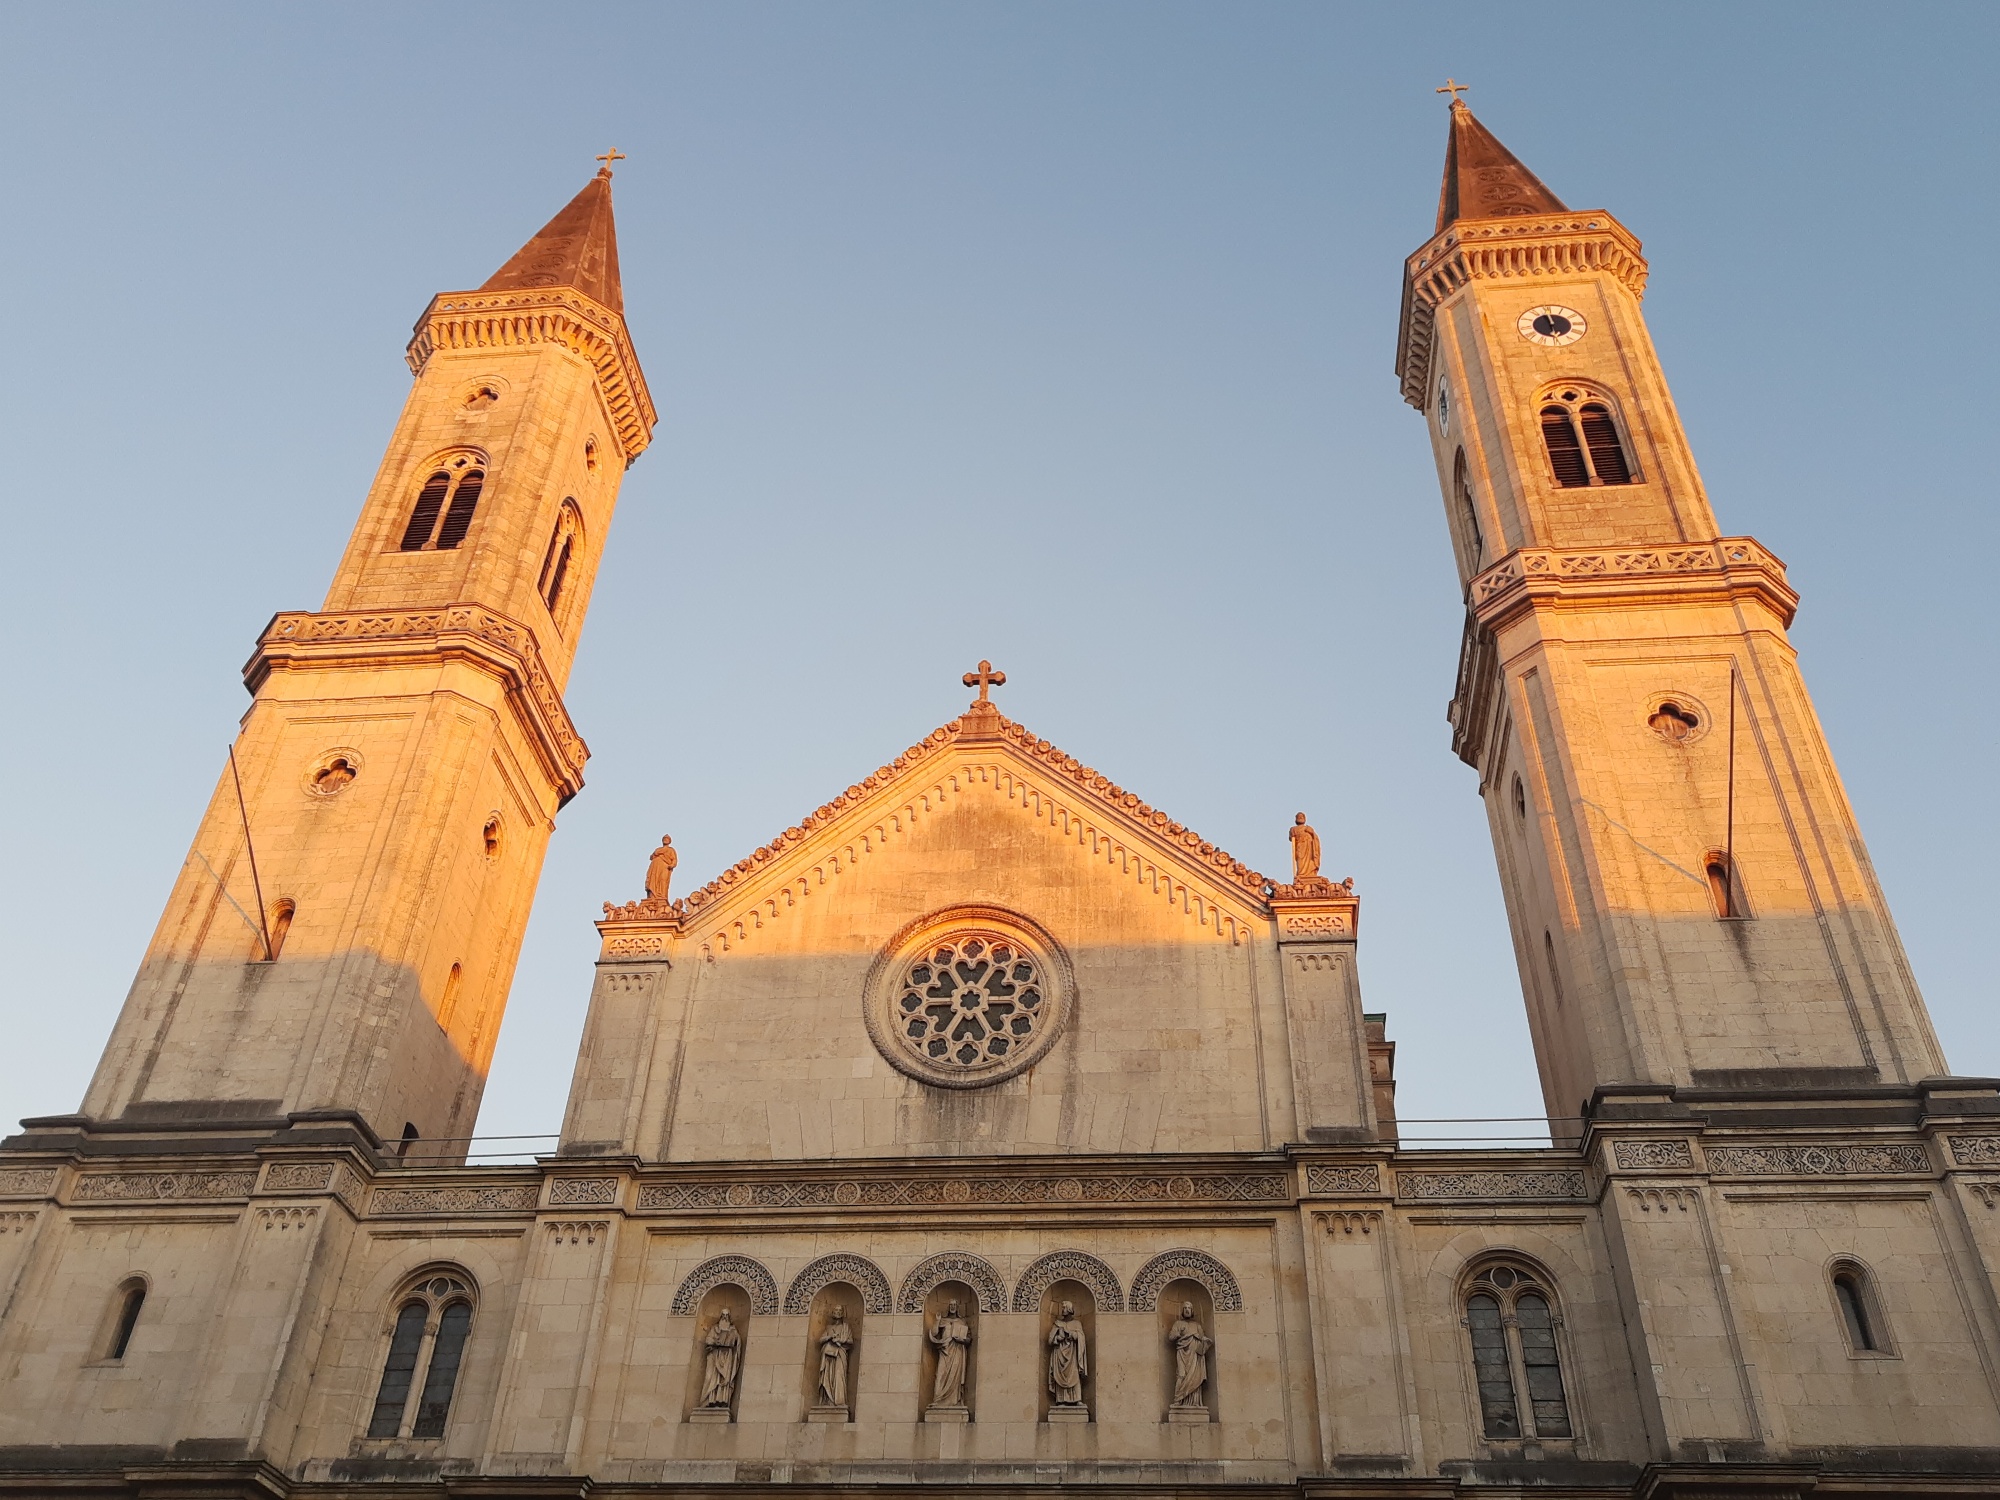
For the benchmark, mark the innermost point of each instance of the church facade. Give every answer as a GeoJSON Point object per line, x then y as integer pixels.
{"type": "Point", "coordinates": [989, 1129]}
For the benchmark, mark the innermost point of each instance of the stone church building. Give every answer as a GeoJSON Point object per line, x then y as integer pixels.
{"type": "Point", "coordinates": [988, 1129]}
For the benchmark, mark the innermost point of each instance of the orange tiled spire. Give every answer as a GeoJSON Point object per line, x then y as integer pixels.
{"type": "Point", "coordinates": [577, 248]}
{"type": "Point", "coordinates": [1483, 179]}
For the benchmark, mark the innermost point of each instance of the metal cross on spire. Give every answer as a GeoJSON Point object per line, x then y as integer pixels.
{"type": "Point", "coordinates": [1454, 88]}
{"type": "Point", "coordinates": [614, 154]}
{"type": "Point", "coordinates": [985, 678]}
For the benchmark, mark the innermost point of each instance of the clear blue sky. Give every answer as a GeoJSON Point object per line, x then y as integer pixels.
{"type": "Point", "coordinates": [1059, 334]}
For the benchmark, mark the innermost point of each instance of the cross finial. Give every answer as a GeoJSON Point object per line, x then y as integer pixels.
{"type": "Point", "coordinates": [985, 678]}
{"type": "Point", "coordinates": [614, 154]}
{"type": "Point", "coordinates": [1454, 88]}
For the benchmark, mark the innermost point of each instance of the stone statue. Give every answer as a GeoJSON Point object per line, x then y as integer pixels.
{"type": "Point", "coordinates": [952, 1338]}
{"type": "Point", "coordinates": [834, 1345]}
{"type": "Point", "coordinates": [718, 1375]}
{"type": "Point", "coordinates": [1191, 1348]}
{"type": "Point", "coordinates": [660, 868]}
{"type": "Point", "coordinates": [1069, 1358]}
{"type": "Point", "coordinates": [1305, 851]}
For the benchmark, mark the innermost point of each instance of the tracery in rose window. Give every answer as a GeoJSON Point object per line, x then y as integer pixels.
{"type": "Point", "coordinates": [969, 1000]}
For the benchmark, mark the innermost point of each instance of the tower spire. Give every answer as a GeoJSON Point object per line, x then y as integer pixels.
{"type": "Point", "coordinates": [1483, 179]}
{"type": "Point", "coordinates": [577, 248]}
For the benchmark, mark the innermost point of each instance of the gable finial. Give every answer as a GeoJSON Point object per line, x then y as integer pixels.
{"type": "Point", "coordinates": [614, 154]}
{"type": "Point", "coordinates": [985, 678]}
{"type": "Point", "coordinates": [1454, 88]}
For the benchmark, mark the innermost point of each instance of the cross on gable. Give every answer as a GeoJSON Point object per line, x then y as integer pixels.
{"type": "Point", "coordinates": [614, 154]}
{"type": "Point", "coordinates": [985, 678]}
{"type": "Point", "coordinates": [1454, 88]}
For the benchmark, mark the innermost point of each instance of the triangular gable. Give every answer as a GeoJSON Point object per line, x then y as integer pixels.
{"type": "Point", "coordinates": [1138, 841]}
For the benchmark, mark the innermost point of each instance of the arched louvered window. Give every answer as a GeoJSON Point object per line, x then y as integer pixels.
{"type": "Point", "coordinates": [451, 491]}
{"type": "Point", "coordinates": [1580, 431]}
{"type": "Point", "coordinates": [429, 1335]}
{"type": "Point", "coordinates": [1468, 512]}
{"type": "Point", "coordinates": [563, 544]}
{"type": "Point", "coordinates": [1565, 453]}
{"type": "Point", "coordinates": [1516, 1355]}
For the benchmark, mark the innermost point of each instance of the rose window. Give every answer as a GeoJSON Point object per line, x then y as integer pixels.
{"type": "Point", "coordinates": [970, 1000]}
{"type": "Point", "coordinates": [967, 996]}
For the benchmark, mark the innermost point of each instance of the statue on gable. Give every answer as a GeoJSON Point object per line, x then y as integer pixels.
{"type": "Point", "coordinates": [660, 869]}
{"type": "Point", "coordinates": [1305, 852]}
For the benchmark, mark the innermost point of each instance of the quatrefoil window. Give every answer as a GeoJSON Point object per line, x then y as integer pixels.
{"type": "Point", "coordinates": [968, 997]}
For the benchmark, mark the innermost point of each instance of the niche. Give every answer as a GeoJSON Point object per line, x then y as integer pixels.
{"type": "Point", "coordinates": [834, 1304]}
{"type": "Point", "coordinates": [1084, 1308]}
{"type": "Point", "coordinates": [937, 1309]}
{"type": "Point", "coordinates": [1172, 1297]}
{"type": "Point", "coordinates": [735, 1301]}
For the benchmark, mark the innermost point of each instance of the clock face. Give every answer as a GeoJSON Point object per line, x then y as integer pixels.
{"type": "Point", "coordinates": [1552, 325]}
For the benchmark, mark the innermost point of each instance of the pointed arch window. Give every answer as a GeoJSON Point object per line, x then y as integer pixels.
{"type": "Point", "coordinates": [564, 541]}
{"type": "Point", "coordinates": [445, 505]}
{"type": "Point", "coordinates": [1510, 1314]}
{"type": "Point", "coordinates": [431, 1327]}
{"type": "Point", "coordinates": [1580, 430]}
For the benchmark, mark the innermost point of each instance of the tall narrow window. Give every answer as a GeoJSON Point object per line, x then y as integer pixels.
{"type": "Point", "coordinates": [563, 543]}
{"type": "Point", "coordinates": [1516, 1358]}
{"type": "Point", "coordinates": [1468, 512]}
{"type": "Point", "coordinates": [1720, 870]}
{"type": "Point", "coordinates": [281, 923]}
{"type": "Point", "coordinates": [130, 1301]}
{"type": "Point", "coordinates": [429, 1336]}
{"type": "Point", "coordinates": [1858, 1316]}
{"type": "Point", "coordinates": [458, 482]}
{"type": "Point", "coordinates": [1555, 974]}
{"type": "Point", "coordinates": [398, 1371]}
{"type": "Point", "coordinates": [1600, 436]}
{"type": "Point", "coordinates": [1565, 453]}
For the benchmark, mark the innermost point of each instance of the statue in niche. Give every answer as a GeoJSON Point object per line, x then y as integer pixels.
{"type": "Point", "coordinates": [1305, 852]}
{"type": "Point", "coordinates": [660, 869]}
{"type": "Point", "coordinates": [952, 1338]}
{"type": "Point", "coordinates": [718, 1376]}
{"type": "Point", "coordinates": [1069, 1358]}
{"type": "Point", "coordinates": [834, 1346]}
{"type": "Point", "coordinates": [1191, 1346]}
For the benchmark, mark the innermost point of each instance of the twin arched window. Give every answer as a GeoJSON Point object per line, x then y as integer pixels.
{"type": "Point", "coordinates": [1581, 434]}
{"type": "Point", "coordinates": [1516, 1361]}
{"type": "Point", "coordinates": [1468, 512]}
{"type": "Point", "coordinates": [563, 544]}
{"type": "Point", "coordinates": [452, 492]}
{"type": "Point", "coordinates": [429, 1338]}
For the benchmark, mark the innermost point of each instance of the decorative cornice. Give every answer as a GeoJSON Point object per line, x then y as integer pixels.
{"type": "Point", "coordinates": [374, 638]}
{"type": "Point", "coordinates": [1538, 247]}
{"type": "Point", "coordinates": [562, 316]}
{"type": "Point", "coordinates": [1171, 840]}
{"type": "Point", "coordinates": [1725, 568]}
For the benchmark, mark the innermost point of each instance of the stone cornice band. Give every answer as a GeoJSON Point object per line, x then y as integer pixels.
{"type": "Point", "coordinates": [1725, 568]}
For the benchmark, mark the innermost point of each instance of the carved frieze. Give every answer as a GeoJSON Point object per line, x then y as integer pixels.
{"type": "Point", "coordinates": [1975, 1150]}
{"type": "Point", "coordinates": [920, 1192]}
{"type": "Point", "coordinates": [456, 1200]}
{"type": "Point", "coordinates": [1329, 1180]}
{"type": "Point", "coordinates": [1068, 1265]}
{"type": "Point", "coordinates": [1191, 1265]}
{"type": "Point", "coordinates": [27, 1182]}
{"type": "Point", "coordinates": [631, 947]}
{"type": "Point", "coordinates": [298, 1176]}
{"type": "Point", "coordinates": [857, 1270]}
{"type": "Point", "coordinates": [571, 1190]}
{"type": "Point", "coordinates": [739, 1270]}
{"type": "Point", "coordinates": [952, 1266]}
{"type": "Point", "coordinates": [1638, 1155]}
{"type": "Point", "coordinates": [97, 1187]}
{"type": "Point", "coordinates": [1730, 562]}
{"type": "Point", "coordinates": [1815, 1161]}
{"type": "Point", "coordinates": [1430, 1185]}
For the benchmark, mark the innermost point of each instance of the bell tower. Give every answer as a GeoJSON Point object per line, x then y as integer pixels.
{"type": "Point", "coordinates": [1690, 899]}
{"type": "Point", "coordinates": [407, 746]}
